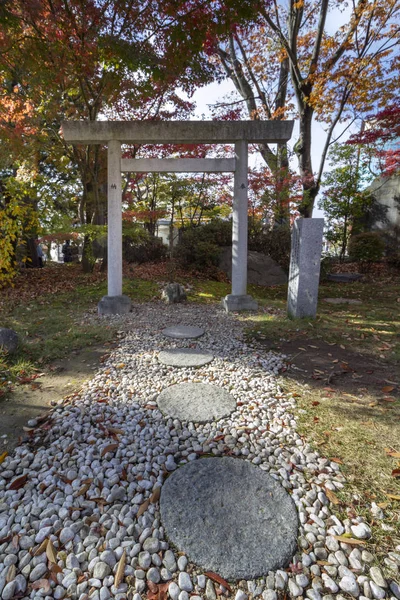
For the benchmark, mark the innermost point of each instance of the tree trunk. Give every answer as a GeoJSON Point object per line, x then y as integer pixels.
{"type": "Point", "coordinates": [88, 260]}
{"type": "Point", "coordinates": [302, 149]}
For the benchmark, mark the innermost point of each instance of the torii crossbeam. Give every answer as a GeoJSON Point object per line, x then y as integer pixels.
{"type": "Point", "coordinates": [115, 133]}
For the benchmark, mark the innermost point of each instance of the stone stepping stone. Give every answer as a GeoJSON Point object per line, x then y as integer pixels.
{"type": "Point", "coordinates": [185, 357]}
{"type": "Point", "coordinates": [229, 517]}
{"type": "Point", "coordinates": [197, 402]}
{"type": "Point", "coordinates": [183, 332]}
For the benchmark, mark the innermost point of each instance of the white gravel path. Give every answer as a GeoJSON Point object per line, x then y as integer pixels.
{"type": "Point", "coordinates": [79, 505]}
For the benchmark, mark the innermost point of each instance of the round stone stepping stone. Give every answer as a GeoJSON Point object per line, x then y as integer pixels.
{"type": "Point", "coordinates": [183, 332]}
{"type": "Point", "coordinates": [185, 357]}
{"type": "Point", "coordinates": [197, 402]}
{"type": "Point", "coordinates": [229, 517]}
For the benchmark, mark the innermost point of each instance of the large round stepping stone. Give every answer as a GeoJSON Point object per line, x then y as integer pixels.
{"type": "Point", "coordinates": [197, 402]}
{"type": "Point", "coordinates": [183, 332]}
{"type": "Point", "coordinates": [185, 357]}
{"type": "Point", "coordinates": [230, 517]}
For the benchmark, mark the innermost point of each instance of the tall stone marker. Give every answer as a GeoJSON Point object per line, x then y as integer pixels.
{"type": "Point", "coordinates": [305, 263]}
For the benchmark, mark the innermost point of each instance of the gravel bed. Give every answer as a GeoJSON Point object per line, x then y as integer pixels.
{"type": "Point", "coordinates": [79, 503]}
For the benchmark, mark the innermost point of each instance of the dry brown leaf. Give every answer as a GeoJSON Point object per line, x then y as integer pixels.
{"type": "Point", "coordinates": [393, 496]}
{"type": "Point", "coordinates": [18, 483]}
{"type": "Point", "coordinates": [83, 489]}
{"type": "Point", "coordinates": [11, 573]}
{"type": "Point", "coordinates": [349, 540]}
{"type": "Point", "coordinates": [383, 504]}
{"type": "Point", "coordinates": [41, 583]}
{"type": "Point", "coordinates": [115, 430]}
{"type": "Point", "coordinates": [109, 448]}
{"type": "Point", "coordinates": [3, 456]}
{"type": "Point", "coordinates": [396, 473]}
{"type": "Point", "coordinates": [388, 388]}
{"type": "Point", "coordinates": [332, 496]}
{"type": "Point", "coordinates": [153, 587]}
{"type": "Point", "coordinates": [155, 495]}
{"type": "Point", "coordinates": [218, 579]}
{"type": "Point", "coordinates": [337, 460]}
{"type": "Point", "coordinates": [42, 548]}
{"type": "Point", "coordinates": [143, 507]}
{"type": "Point", "coordinates": [392, 453]}
{"type": "Point", "coordinates": [51, 552]}
{"type": "Point", "coordinates": [56, 569]}
{"type": "Point", "coordinates": [119, 574]}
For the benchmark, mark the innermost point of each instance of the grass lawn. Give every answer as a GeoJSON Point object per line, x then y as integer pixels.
{"type": "Point", "coordinates": [349, 408]}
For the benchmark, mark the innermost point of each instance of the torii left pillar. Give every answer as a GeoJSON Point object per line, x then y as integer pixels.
{"type": "Point", "coordinates": [115, 302]}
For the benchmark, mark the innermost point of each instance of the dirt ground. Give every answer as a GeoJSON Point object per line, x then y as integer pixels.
{"type": "Point", "coordinates": [323, 365]}
{"type": "Point", "coordinates": [28, 401]}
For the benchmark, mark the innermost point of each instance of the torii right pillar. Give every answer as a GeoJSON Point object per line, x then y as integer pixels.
{"type": "Point", "coordinates": [239, 299]}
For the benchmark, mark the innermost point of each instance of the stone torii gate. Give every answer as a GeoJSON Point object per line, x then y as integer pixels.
{"type": "Point", "coordinates": [115, 133]}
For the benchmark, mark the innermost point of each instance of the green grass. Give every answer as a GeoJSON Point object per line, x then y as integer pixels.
{"type": "Point", "coordinates": [372, 327]}
{"type": "Point", "coordinates": [54, 325]}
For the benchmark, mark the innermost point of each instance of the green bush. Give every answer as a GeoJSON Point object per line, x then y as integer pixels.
{"type": "Point", "coordinates": [141, 247]}
{"type": "Point", "coordinates": [366, 247]}
{"type": "Point", "coordinates": [274, 242]}
{"type": "Point", "coordinates": [199, 247]}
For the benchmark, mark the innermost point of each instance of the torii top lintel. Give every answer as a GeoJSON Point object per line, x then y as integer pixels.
{"type": "Point", "coordinates": [176, 132]}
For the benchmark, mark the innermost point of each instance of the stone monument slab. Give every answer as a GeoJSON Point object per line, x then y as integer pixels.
{"type": "Point", "coordinates": [185, 357]}
{"type": "Point", "coordinates": [183, 332]}
{"type": "Point", "coordinates": [197, 402]}
{"type": "Point", "coordinates": [229, 517]}
{"type": "Point", "coordinates": [305, 262]}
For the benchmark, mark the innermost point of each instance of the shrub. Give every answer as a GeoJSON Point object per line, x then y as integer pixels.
{"type": "Point", "coordinates": [274, 242]}
{"type": "Point", "coordinates": [366, 247]}
{"type": "Point", "coordinates": [199, 247]}
{"type": "Point", "coordinates": [143, 248]}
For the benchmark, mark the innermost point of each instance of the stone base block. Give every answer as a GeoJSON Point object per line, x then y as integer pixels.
{"type": "Point", "coordinates": [233, 303]}
{"type": "Point", "coordinates": [114, 305]}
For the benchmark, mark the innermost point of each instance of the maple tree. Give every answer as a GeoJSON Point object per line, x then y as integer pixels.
{"type": "Point", "coordinates": [292, 61]}
{"type": "Point", "coordinates": [380, 132]}
{"type": "Point", "coordinates": [120, 59]}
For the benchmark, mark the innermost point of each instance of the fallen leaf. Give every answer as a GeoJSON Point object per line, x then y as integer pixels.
{"type": "Point", "coordinates": [349, 540]}
{"type": "Point", "coordinates": [51, 552]}
{"type": "Point", "coordinates": [392, 453]}
{"type": "Point", "coordinates": [109, 448]}
{"type": "Point", "coordinates": [337, 460]}
{"type": "Point", "coordinates": [11, 573]}
{"type": "Point", "coordinates": [155, 495]}
{"type": "Point", "coordinates": [315, 403]}
{"type": "Point", "coordinates": [218, 579]}
{"type": "Point", "coordinates": [18, 483]}
{"type": "Point", "coordinates": [119, 574]}
{"type": "Point", "coordinates": [396, 473]}
{"type": "Point", "coordinates": [143, 507]}
{"type": "Point", "coordinates": [83, 489]}
{"type": "Point", "coordinates": [393, 496]}
{"type": "Point", "coordinates": [3, 456]}
{"type": "Point", "coordinates": [42, 548]}
{"type": "Point", "coordinates": [332, 496]}
{"type": "Point", "coordinates": [383, 504]}
{"type": "Point", "coordinates": [56, 569]}
{"type": "Point", "coordinates": [388, 388]}
{"type": "Point", "coordinates": [41, 583]}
